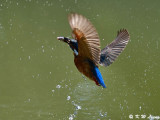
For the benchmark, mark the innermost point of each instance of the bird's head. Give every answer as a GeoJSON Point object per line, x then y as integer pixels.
{"type": "Point", "coordinates": [71, 42]}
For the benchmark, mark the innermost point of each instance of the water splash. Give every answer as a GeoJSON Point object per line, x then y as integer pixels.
{"type": "Point", "coordinates": [71, 117]}
{"type": "Point", "coordinates": [77, 107]}
{"type": "Point", "coordinates": [103, 114]}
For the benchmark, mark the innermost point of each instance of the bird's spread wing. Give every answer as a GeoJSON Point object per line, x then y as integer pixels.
{"type": "Point", "coordinates": [113, 50]}
{"type": "Point", "coordinates": [85, 33]}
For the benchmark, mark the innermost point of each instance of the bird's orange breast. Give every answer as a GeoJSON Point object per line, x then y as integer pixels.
{"type": "Point", "coordinates": [84, 66]}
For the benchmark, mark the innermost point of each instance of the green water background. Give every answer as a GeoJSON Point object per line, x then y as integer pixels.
{"type": "Point", "coordinates": [38, 78]}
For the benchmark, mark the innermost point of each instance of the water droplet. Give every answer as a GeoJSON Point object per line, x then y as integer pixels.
{"type": "Point", "coordinates": [53, 91]}
{"type": "Point", "coordinates": [140, 107]}
{"type": "Point", "coordinates": [69, 97]}
{"type": "Point", "coordinates": [58, 86]}
{"type": "Point", "coordinates": [71, 116]}
{"type": "Point", "coordinates": [66, 86]}
{"type": "Point", "coordinates": [101, 114]}
{"type": "Point", "coordinates": [28, 100]}
{"type": "Point", "coordinates": [78, 107]}
{"type": "Point", "coordinates": [105, 114]}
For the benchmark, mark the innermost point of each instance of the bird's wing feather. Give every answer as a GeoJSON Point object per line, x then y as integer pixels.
{"type": "Point", "coordinates": [113, 50]}
{"type": "Point", "coordinates": [86, 35]}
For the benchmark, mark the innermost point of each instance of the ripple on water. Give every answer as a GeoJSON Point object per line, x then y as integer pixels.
{"type": "Point", "coordinates": [85, 92]}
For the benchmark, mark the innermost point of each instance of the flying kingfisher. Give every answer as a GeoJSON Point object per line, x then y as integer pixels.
{"type": "Point", "coordinates": [85, 44]}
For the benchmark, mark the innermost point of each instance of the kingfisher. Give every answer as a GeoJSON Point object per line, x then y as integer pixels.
{"type": "Point", "coordinates": [85, 44]}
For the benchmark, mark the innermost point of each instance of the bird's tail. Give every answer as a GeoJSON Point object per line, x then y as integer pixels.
{"type": "Point", "coordinates": [98, 77]}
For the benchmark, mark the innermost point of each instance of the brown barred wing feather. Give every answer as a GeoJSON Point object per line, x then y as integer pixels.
{"type": "Point", "coordinates": [86, 35]}
{"type": "Point", "coordinates": [113, 50]}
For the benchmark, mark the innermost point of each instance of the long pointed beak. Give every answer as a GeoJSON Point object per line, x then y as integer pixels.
{"type": "Point", "coordinates": [64, 39]}
{"type": "Point", "coordinates": [60, 38]}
